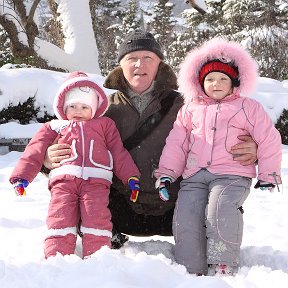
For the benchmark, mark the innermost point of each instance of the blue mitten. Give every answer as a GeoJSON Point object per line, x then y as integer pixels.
{"type": "Point", "coordinates": [19, 186]}
{"type": "Point", "coordinates": [164, 186]}
{"type": "Point", "coordinates": [134, 185]}
{"type": "Point", "coordinates": [264, 185]}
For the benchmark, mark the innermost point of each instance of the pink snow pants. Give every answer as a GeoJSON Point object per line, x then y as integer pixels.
{"type": "Point", "coordinates": [72, 200]}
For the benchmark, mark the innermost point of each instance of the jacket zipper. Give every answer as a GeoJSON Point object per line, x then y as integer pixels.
{"type": "Point", "coordinates": [214, 130]}
{"type": "Point", "coordinates": [83, 147]}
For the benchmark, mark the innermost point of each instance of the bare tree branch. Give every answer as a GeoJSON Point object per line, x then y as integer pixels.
{"type": "Point", "coordinates": [196, 7]}
{"type": "Point", "coordinates": [30, 27]}
{"type": "Point", "coordinates": [32, 11]}
{"type": "Point", "coordinates": [18, 49]}
{"type": "Point", "coordinates": [20, 9]}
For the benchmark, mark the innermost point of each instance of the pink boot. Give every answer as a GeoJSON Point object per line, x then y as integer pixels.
{"type": "Point", "coordinates": [92, 243]}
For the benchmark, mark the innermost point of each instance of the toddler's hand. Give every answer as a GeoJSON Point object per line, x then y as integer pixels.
{"type": "Point", "coordinates": [134, 185]}
{"type": "Point", "coordinates": [164, 186]}
{"type": "Point", "coordinates": [19, 186]}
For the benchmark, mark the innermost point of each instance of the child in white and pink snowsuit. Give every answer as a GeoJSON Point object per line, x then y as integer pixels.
{"type": "Point", "coordinates": [80, 186]}
{"type": "Point", "coordinates": [216, 81]}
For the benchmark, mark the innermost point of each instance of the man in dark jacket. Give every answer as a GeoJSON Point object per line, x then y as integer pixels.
{"type": "Point", "coordinates": [145, 85]}
{"type": "Point", "coordinates": [144, 109]}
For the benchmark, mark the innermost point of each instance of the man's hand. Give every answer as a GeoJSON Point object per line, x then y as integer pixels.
{"type": "Point", "coordinates": [55, 154]}
{"type": "Point", "coordinates": [264, 186]}
{"type": "Point", "coordinates": [246, 151]}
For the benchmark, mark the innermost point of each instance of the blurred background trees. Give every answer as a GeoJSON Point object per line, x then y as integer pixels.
{"type": "Point", "coordinates": [260, 25]}
{"type": "Point", "coordinates": [31, 28]}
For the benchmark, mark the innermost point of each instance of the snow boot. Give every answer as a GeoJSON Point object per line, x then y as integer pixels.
{"type": "Point", "coordinates": [118, 239]}
{"type": "Point", "coordinates": [220, 270]}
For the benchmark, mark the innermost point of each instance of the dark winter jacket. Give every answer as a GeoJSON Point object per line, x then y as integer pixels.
{"type": "Point", "coordinates": [146, 155]}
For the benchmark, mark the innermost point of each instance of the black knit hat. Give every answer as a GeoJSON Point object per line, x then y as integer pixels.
{"type": "Point", "coordinates": [139, 40]}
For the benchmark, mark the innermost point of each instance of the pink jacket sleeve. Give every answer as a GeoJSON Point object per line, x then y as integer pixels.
{"type": "Point", "coordinates": [174, 155]}
{"type": "Point", "coordinates": [124, 166]}
{"type": "Point", "coordinates": [32, 159]}
{"type": "Point", "coordinates": [268, 139]}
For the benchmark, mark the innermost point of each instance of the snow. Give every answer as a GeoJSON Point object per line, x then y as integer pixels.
{"type": "Point", "coordinates": [142, 262]}
{"type": "Point", "coordinates": [79, 49]}
{"type": "Point", "coordinates": [17, 85]}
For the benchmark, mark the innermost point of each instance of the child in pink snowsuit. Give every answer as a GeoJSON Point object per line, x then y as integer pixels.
{"type": "Point", "coordinates": [216, 81]}
{"type": "Point", "coordinates": [80, 186]}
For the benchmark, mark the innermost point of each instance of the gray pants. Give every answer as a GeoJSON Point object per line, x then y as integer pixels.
{"type": "Point", "coordinates": [208, 222]}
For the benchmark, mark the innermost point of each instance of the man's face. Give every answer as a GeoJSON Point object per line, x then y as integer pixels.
{"type": "Point", "coordinates": [140, 69]}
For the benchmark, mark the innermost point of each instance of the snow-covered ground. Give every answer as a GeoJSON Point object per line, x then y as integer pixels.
{"type": "Point", "coordinates": [142, 262]}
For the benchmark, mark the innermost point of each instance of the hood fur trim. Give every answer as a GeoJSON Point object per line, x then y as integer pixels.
{"type": "Point", "coordinates": [216, 48]}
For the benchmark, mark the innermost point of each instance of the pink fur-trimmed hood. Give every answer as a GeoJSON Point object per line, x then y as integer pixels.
{"type": "Point", "coordinates": [217, 48]}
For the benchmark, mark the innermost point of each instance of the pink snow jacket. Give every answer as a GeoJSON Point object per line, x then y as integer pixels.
{"type": "Point", "coordinates": [97, 149]}
{"type": "Point", "coordinates": [206, 129]}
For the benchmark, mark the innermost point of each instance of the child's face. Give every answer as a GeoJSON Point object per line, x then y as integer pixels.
{"type": "Point", "coordinates": [78, 112]}
{"type": "Point", "coordinates": [217, 85]}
